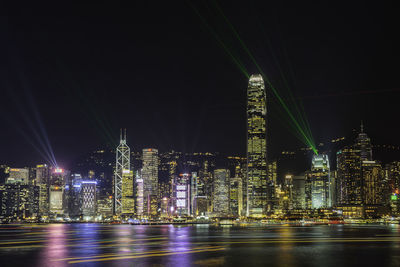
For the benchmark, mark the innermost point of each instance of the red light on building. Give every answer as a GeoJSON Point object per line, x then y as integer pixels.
{"type": "Point", "coordinates": [58, 170]}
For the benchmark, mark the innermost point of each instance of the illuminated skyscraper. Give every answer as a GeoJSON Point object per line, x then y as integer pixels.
{"type": "Point", "coordinates": [221, 192]}
{"type": "Point", "coordinates": [236, 196]}
{"type": "Point", "coordinates": [193, 192]}
{"type": "Point", "coordinates": [42, 180]}
{"type": "Point", "coordinates": [349, 179]}
{"type": "Point", "coordinates": [139, 194]}
{"type": "Point", "coordinates": [363, 143]}
{"type": "Point", "coordinates": [122, 165]}
{"type": "Point", "coordinates": [150, 181]}
{"type": "Point", "coordinates": [257, 193]}
{"type": "Point", "coordinates": [89, 201]}
{"type": "Point", "coordinates": [319, 182]}
{"type": "Point", "coordinates": [182, 194]}
{"type": "Point", "coordinates": [372, 174]}
{"type": "Point", "coordinates": [127, 200]}
{"type": "Point", "coordinates": [18, 176]}
{"type": "Point", "coordinates": [58, 181]}
{"type": "Point", "coordinates": [298, 192]}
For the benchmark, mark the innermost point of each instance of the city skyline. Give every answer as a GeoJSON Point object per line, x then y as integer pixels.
{"type": "Point", "coordinates": [199, 133]}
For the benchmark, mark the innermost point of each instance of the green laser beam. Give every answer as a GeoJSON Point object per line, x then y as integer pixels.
{"type": "Point", "coordinates": [237, 62]}
{"type": "Point", "coordinates": [308, 141]}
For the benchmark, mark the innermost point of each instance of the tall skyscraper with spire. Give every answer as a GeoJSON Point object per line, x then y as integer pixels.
{"type": "Point", "coordinates": [122, 166]}
{"type": "Point", "coordinates": [363, 143]}
{"type": "Point", "coordinates": [256, 147]}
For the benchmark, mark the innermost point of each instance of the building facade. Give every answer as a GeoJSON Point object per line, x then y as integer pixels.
{"type": "Point", "coordinates": [257, 180]}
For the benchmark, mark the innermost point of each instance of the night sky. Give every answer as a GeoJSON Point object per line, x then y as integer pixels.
{"type": "Point", "coordinates": [80, 73]}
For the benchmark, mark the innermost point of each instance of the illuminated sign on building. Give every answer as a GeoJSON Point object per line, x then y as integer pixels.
{"type": "Point", "coordinates": [58, 170]}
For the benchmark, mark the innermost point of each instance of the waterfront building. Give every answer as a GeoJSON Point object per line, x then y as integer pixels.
{"type": "Point", "coordinates": [127, 197]}
{"type": "Point", "coordinates": [18, 176]}
{"type": "Point", "coordinates": [298, 192]}
{"type": "Point", "coordinates": [105, 207]}
{"type": "Point", "coordinates": [18, 202]}
{"type": "Point", "coordinates": [257, 193]}
{"type": "Point", "coordinates": [89, 199]}
{"type": "Point", "coordinates": [372, 175]}
{"type": "Point", "coordinates": [56, 206]}
{"type": "Point", "coordinates": [349, 177]}
{"type": "Point", "coordinates": [139, 194]}
{"type": "Point", "coordinates": [221, 192]}
{"type": "Point", "coordinates": [122, 165]}
{"type": "Point", "coordinates": [182, 196]}
{"type": "Point", "coordinates": [319, 183]}
{"type": "Point", "coordinates": [42, 180]}
{"type": "Point", "coordinates": [194, 193]}
{"type": "Point", "coordinates": [363, 143]}
{"type": "Point", "coordinates": [236, 196]}
{"type": "Point", "coordinates": [75, 197]}
{"type": "Point", "coordinates": [150, 181]}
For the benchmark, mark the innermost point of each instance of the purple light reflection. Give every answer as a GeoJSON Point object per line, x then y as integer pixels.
{"type": "Point", "coordinates": [55, 247]}
{"type": "Point", "coordinates": [179, 241]}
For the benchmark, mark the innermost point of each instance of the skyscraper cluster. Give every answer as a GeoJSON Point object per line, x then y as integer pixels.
{"type": "Point", "coordinates": [131, 186]}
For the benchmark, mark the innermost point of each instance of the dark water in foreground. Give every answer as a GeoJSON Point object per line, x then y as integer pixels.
{"type": "Point", "coordinates": [202, 245]}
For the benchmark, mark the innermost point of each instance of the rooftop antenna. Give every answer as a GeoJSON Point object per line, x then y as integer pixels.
{"type": "Point", "coordinates": [362, 127]}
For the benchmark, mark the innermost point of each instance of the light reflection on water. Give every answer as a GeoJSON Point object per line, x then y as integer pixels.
{"type": "Point", "coordinates": [167, 245]}
{"type": "Point", "coordinates": [55, 246]}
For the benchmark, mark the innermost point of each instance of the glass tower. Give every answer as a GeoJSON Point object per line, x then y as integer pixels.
{"type": "Point", "coordinates": [256, 147]}
{"type": "Point", "coordinates": [363, 143]}
{"type": "Point", "coordinates": [319, 182]}
{"type": "Point", "coordinates": [122, 166]}
{"type": "Point", "coordinates": [150, 181]}
{"type": "Point", "coordinates": [221, 192]}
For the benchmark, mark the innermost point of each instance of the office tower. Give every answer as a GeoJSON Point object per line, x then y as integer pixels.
{"type": "Point", "coordinates": [221, 192]}
{"type": "Point", "coordinates": [56, 193]}
{"type": "Point", "coordinates": [193, 192]}
{"type": "Point", "coordinates": [391, 195]}
{"type": "Point", "coordinates": [201, 200]}
{"type": "Point", "coordinates": [89, 201]}
{"type": "Point", "coordinates": [363, 143]}
{"type": "Point", "coordinates": [18, 175]}
{"type": "Point", "coordinates": [182, 194]}
{"type": "Point", "coordinates": [298, 192]}
{"type": "Point", "coordinates": [256, 148]}
{"type": "Point", "coordinates": [372, 174]}
{"type": "Point", "coordinates": [165, 207]}
{"type": "Point", "coordinates": [75, 197]}
{"type": "Point", "coordinates": [318, 181]}
{"type": "Point", "coordinates": [139, 194]}
{"type": "Point", "coordinates": [172, 165]}
{"type": "Point", "coordinates": [349, 179]}
{"type": "Point", "coordinates": [42, 180]}
{"type": "Point", "coordinates": [122, 165]}
{"type": "Point", "coordinates": [393, 177]}
{"type": "Point", "coordinates": [105, 207]}
{"type": "Point", "coordinates": [58, 176]}
{"type": "Point", "coordinates": [18, 202]}
{"type": "Point", "coordinates": [287, 188]}
{"type": "Point", "coordinates": [150, 181]}
{"type": "Point", "coordinates": [236, 196]}
{"type": "Point", "coordinates": [205, 188]}
{"type": "Point", "coordinates": [273, 172]}
{"type": "Point", "coordinates": [58, 180]}
{"type": "Point", "coordinates": [127, 199]}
